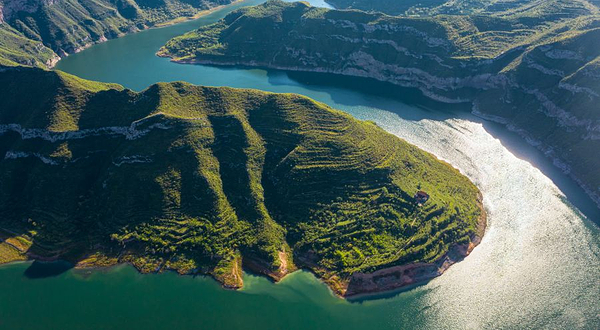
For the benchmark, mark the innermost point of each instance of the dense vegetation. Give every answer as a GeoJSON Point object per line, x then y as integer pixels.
{"type": "Point", "coordinates": [198, 179]}
{"type": "Point", "coordinates": [533, 65]}
{"type": "Point", "coordinates": [36, 32]}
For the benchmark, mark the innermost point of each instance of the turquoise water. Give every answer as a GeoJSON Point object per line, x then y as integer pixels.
{"type": "Point", "coordinates": [122, 298]}
{"type": "Point", "coordinates": [538, 266]}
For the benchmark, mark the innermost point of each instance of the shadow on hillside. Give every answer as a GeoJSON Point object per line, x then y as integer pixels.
{"type": "Point", "coordinates": [233, 165]}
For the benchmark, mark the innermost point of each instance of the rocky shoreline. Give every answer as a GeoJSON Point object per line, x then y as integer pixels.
{"type": "Point", "coordinates": [397, 277]}
{"type": "Point", "coordinates": [381, 281]}
{"type": "Point", "coordinates": [359, 284]}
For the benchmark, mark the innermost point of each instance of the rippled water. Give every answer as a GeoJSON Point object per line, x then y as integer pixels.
{"type": "Point", "coordinates": [537, 267]}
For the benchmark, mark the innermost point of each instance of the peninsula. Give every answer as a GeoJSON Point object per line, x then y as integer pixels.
{"type": "Point", "coordinates": [205, 180]}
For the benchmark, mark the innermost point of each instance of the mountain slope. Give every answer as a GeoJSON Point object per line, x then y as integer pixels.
{"type": "Point", "coordinates": [199, 179]}
{"type": "Point", "coordinates": [42, 30]}
{"type": "Point", "coordinates": [535, 70]}
{"type": "Point", "coordinates": [498, 8]}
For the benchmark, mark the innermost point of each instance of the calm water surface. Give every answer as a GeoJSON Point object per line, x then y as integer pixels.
{"type": "Point", "coordinates": [538, 266]}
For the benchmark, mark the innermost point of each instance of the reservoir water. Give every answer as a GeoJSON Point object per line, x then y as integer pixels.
{"type": "Point", "coordinates": [538, 266]}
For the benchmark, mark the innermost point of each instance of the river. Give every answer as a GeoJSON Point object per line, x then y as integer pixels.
{"type": "Point", "coordinates": [538, 266]}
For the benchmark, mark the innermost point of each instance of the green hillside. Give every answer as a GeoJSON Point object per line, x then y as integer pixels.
{"type": "Point", "coordinates": [16, 49]}
{"type": "Point", "coordinates": [498, 8]}
{"type": "Point", "coordinates": [37, 32]}
{"type": "Point", "coordinates": [202, 179]}
{"type": "Point", "coordinates": [534, 68]}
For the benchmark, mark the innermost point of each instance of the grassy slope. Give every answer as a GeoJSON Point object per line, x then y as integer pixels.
{"type": "Point", "coordinates": [16, 49]}
{"type": "Point", "coordinates": [35, 32]}
{"type": "Point", "coordinates": [534, 67]}
{"type": "Point", "coordinates": [197, 179]}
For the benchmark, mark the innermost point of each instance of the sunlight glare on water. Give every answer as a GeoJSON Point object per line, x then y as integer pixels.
{"type": "Point", "coordinates": [538, 256]}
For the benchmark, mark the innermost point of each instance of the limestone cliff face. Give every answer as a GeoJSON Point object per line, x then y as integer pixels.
{"type": "Point", "coordinates": [541, 79]}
